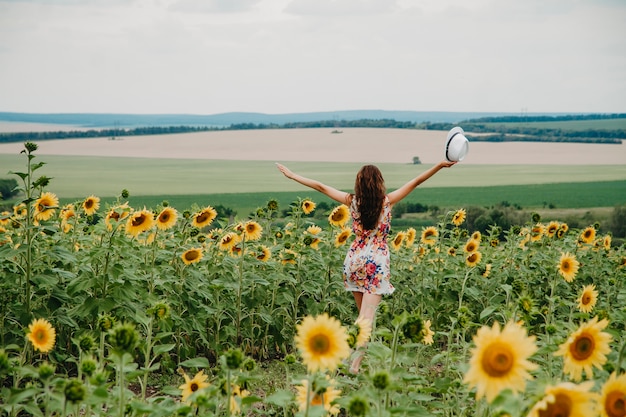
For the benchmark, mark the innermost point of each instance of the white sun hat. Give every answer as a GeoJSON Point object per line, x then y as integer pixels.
{"type": "Point", "coordinates": [457, 145]}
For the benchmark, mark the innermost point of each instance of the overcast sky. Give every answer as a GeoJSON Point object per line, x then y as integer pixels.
{"type": "Point", "coordinates": [293, 56]}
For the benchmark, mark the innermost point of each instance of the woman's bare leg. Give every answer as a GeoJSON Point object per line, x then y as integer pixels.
{"type": "Point", "coordinates": [367, 310]}
{"type": "Point", "coordinates": [358, 299]}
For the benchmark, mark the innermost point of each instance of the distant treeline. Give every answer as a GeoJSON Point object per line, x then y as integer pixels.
{"type": "Point", "coordinates": [490, 132]}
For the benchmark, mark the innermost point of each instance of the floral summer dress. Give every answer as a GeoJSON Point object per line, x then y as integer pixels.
{"type": "Point", "coordinates": [366, 267]}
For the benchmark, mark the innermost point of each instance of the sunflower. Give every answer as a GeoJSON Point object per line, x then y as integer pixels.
{"type": "Point", "coordinates": [568, 266]}
{"type": "Point", "coordinates": [91, 205]}
{"type": "Point", "coordinates": [588, 235]}
{"type": "Point", "coordinates": [566, 399]}
{"type": "Point", "coordinates": [237, 394]}
{"type": "Point", "coordinates": [409, 239]}
{"type": "Point", "coordinates": [428, 333]}
{"type": "Point", "coordinates": [585, 348]}
{"type": "Point", "coordinates": [452, 251]}
{"type": "Point", "coordinates": [264, 254]}
{"type": "Point", "coordinates": [552, 228]}
{"type": "Point", "coordinates": [613, 397]}
{"type": "Point", "coordinates": [193, 385]}
{"type": "Point", "coordinates": [139, 221]}
{"type": "Point", "coordinates": [314, 229]}
{"type": "Point", "coordinates": [191, 256]}
{"type": "Point", "coordinates": [536, 232]}
{"type": "Point", "coordinates": [315, 243]}
{"type": "Point", "coordinates": [477, 236]}
{"type": "Point", "coordinates": [116, 214]}
{"type": "Point", "coordinates": [364, 327]}
{"type": "Point", "coordinates": [288, 256]}
{"type": "Point", "coordinates": [342, 237]}
{"type": "Point", "coordinates": [67, 214]}
{"type": "Point", "coordinates": [42, 335]}
{"type": "Point", "coordinates": [606, 242]}
{"type": "Point", "coordinates": [236, 251]}
{"type": "Point", "coordinates": [472, 245]}
{"type": "Point", "coordinates": [320, 398]}
{"type": "Point", "coordinates": [308, 206]}
{"type": "Point", "coordinates": [204, 217]}
{"type": "Point", "coordinates": [339, 216]}
{"type": "Point", "coordinates": [166, 218]}
{"type": "Point", "coordinates": [459, 217]}
{"type": "Point", "coordinates": [396, 243]}
{"type": "Point", "coordinates": [252, 230]}
{"type": "Point", "coordinates": [45, 206]}
{"type": "Point", "coordinates": [500, 360]}
{"type": "Point", "coordinates": [588, 298]}
{"type": "Point", "coordinates": [5, 218]}
{"type": "Point", "coordinates": [322, 341]}
{"type": "Point", "coordinates": [473, 259]}
{"type": "Point", "coordinates": [20, 210]}
{"type": "Point", "coordinates": [229, 240]}
{"type": "Point", "coordinates": [429, 235]}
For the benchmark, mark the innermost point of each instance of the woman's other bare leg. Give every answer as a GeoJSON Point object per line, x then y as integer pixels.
{"type": "Point", "coordinates": [367, 310]}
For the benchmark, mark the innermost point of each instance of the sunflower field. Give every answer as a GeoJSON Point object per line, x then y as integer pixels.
{"type": "Point", "coordinates": [136, 311]}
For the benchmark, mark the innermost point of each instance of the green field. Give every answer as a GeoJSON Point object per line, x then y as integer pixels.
{"type": "Point", "coordinates": [577, 125]}
{"type": "Point", "coordinates": [246, 185]}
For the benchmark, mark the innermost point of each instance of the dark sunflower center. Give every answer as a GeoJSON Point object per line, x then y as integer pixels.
{"type": "Point", "coordinates": [337, 216]}
{"type": "Point", "coordinates": [615, 404]}
{"type": "Point", "coordinates": [40, 335]}
{"type": "Point", "coordinates": [320, 344]}
{"type": "Point", "coordinates": [165, 217]}
{"type": "Point", "coordinates": [586, 299]}
{"type": "Point", "coordinates": [194, 387]}
{"type": "Point", "coordinates": [190, 256]}
{"type": "Point", "coordinates": [88, 204]}
{"type": "Point", "coordinates": [561, 407]}
{"type": "Point", "coordinates": [139, 220]}
{"type": "Point", "coordinates": [583, 347]}
{"type": "Point", "coordinates": [497, 360]}
{"type": "Point", "coordinates": [565, 266]}
{"type": "Point", "coordinates": [202, 217]}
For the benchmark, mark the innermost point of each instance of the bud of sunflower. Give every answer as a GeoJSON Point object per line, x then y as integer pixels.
{"type": "Point", "coordinates": [234, 358]}
{"type": "Point", "coordinates": [381, 380]}
{"type": "Point", "coordinates": [30, 147]}
{"type": "Point", "coordinates": [45, 371]}
{"type": "Point", "coordinates": [194, 232]}
{"type": "Point", "coordinates": [106, 322]}
{"type": "Point", "coordinates": [186, 214]}
{"type": "Point", "coordinates": [74, 391]}
{"type": "Point", "coordinates": [5, 362]}
{"type": "Point", "coordinates": [464, 316]}
{"type": "Point", "coordinates": [308, 240]}
{"type": "Point", "coordinates": [603, 314]}
{"type": "Point", "coordinates": [358, 406]}
{"type": "Point", "coordinates": [272, 205]}
{"type": "Point", "coordinates": [86, 343]}
{"type": "Point", "coordinates": [519, 286]}
{"type": "Point", "coordinates": [249, 364]}
{"type": "Point", "coordinates": [260, 212]}
{"type": "Point", "coordinates": [88, 366]}
{"type": "Point", "coordinates": [99, 378]}
{"type": "Point", "coordinates": [515, 230]}
{"type": "Point", "coordinates": [123, 338]}
{"type": "Point", "coordinates": [383, 307]}
{"type": "Point", "coordinates": [165, 203]}
{"type": "Point", "coordinates": [353, 332]}
{"type": "Point", "coordinates": [551, 329]}
{"type": "Point", "coordinates": [536, 217]}
{"type": "Point", "coordinates": [160, 311]}
{"type": "Point", "coordinates": [464, 233]}
{"type": "Point", "coordinates": [290, 359]}
{"type": "Point", "coordinates": [413, 327]}
{"type": "Point", "coordinates": [596, 225]}
{"type": "Point", "coordinates": [42, 182]}
{"type": "Point", "coordinates": [278, 235]}
{"type": "Point", "coordinates": [201, 238]}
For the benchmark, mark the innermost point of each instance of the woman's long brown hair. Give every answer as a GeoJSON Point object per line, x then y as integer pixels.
{"type": "Point", "coordinates": [369, 191]}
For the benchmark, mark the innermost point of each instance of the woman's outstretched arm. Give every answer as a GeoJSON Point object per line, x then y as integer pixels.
{"type": "Point", "coordinates": [337, 195]}
{"type": "Point", "coordinates": [400, 193]}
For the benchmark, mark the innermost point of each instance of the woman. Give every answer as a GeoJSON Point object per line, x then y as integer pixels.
{"type": "Point", "coordinates": [366, 270]}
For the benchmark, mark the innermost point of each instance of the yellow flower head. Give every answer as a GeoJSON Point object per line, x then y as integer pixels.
{"type": "Point", "coordinates": [613, 397]}
{"type": "Point", "coordinates": [322, 341]}
{"type": "Point", "coordinates": [568, 267]}
{"type": "Point", "coordinates": [237, 394]}
{"type": "Point", "coordinates": [606, 242]}
{"type": "Point", "coordinates": [91, 205]}
{"type": "Point", "coordinates": [45, 206]}
{"type": "Point", "coordinates": [139, 221]}
{"type": "Point", "coordinates": [204, 217]}
{"type": "Point", "coordinates": [364, 327]}
{"type": "Point", "coordinates": [588, 298]}
{"type": "Point", "coordinates": [308, 206]}
{"type": "Point", "coordinates": [459, 217]}
{"type": "Point", "coordinates": [536, 232]}
{"type": "Point", "coordinates": [116, 214]}
{"type": "Point", "coordinates": [191, 256]}
{"type": "Point", "coordinates": [20, 210]}
{"type": "Point", "coordinates": [428, 333]}
{"type": "Point", "coordinates": [500, 360]}
{"type": "Point", "coordinates": [472, 245]}
{"type": "Point", "coordinates": [42, 335]}
{"type": "Point", "coordinates": [429, 235]}
{"type": "Point", "coordinates": [314, 229]}
{"type": "Point", "coordinates": [585, 348]}
{"type": "Point", "coordinates": [552, 228]}
{"type": "Point", "coordinates": [566, 399]}
{"type": "Point", "coordinates": [196, 384]}
{"type": "Point", "coordinates": [288, 256]}
{"type": "Point", "coordinates": [318, 398]}
{"type": "Point", "coordinates": [229, 240]}
{"type": "Point", "coordinates": [166, 218]}
{"type": "Point", "coordinates": [339, 216]}
{"type": "Point", "coordinates": [342, 237]}
{"type": "Point", "coordinates": [588, 235]}
{"type": "Point", "coordinates": [264, 254]}
{"type": "Point", "coordinates": [473, 259]}
{"type": "Point", "coordinates": [487, 271]}
{"type": "Point", "coordinates": [409, 239]}
{"type": "Point", "coordinates": [252, 231]}
{"type": "Point", "coordinates": [396, 242]}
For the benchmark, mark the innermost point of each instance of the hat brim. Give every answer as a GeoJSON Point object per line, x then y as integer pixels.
{"type": "Point", "coordinates": [457, 145]}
